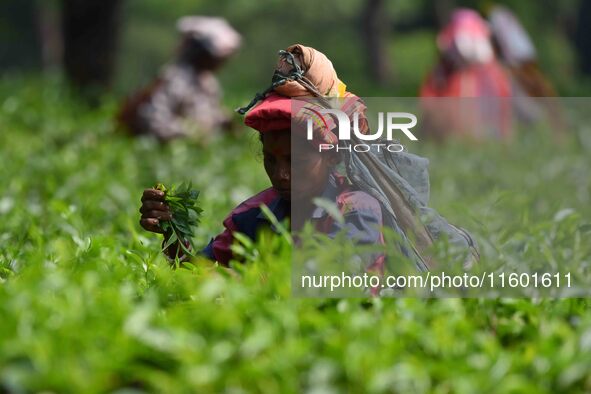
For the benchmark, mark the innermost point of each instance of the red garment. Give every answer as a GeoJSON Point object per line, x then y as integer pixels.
{"type": "Point", "coordinates": [477, 80]}
{"type": "Point", "coordinates": [468, 75]}
{"type": "Point", "coordinates": [219, 249]}
{"type": "Point", "coordinates": [479, 102]}
{"type": "Point", "coordinates": [271, 114]}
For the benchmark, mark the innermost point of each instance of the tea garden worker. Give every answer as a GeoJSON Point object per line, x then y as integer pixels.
{"type": "Point", "coordinates": [271, 115]}
{"type": "Point", "coordinates": [372, 193]}
{"type": "Point", "coordinates": [516, 51]}
{"type": "Point", "coordinates": [467, 68]}
{"type": "Point", "coordinates": [184, 101]}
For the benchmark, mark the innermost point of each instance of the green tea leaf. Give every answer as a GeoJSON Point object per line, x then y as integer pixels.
{"type": "Point", "coordinates": [182, 200]}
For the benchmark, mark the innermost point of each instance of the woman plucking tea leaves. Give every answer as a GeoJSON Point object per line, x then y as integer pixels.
{"type": "Point", "coordinates": [364, 207]}
{"type": "Point", "coordinates": [271, 117]}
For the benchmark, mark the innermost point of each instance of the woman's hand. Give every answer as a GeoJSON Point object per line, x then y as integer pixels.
{"type": "Point", "coordinates": [153, 210]}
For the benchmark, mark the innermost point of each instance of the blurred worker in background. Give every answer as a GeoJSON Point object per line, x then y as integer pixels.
{"type": "Point", "coordinates": [184, 101]}
{"type": "Point", "coordinates": [516, 51]}
{"type": "Point", "coordinates": [467, 69]}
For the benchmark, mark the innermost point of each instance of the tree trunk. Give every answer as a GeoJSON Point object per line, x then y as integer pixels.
{"type": "Point", "coordinates": [50, 37]}
{"type": "Point", "coordinates": [19, 41]}
{"type": "Point", "coordinates": [583, 37]}
{"type": "Point", "coordinates": [375, 34]}
{"type": "Point", "coordinates": [90, 31]}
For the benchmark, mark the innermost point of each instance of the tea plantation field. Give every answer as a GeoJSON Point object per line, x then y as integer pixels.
{"type": "Point", "coordinates": [88, 303]}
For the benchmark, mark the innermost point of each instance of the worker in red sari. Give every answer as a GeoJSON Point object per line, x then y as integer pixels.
{"type": "Point", "coordinates": [474, 83]}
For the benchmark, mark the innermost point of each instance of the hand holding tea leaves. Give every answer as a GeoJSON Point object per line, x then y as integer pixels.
{"type": "Point", "coordinates": [174, 212]}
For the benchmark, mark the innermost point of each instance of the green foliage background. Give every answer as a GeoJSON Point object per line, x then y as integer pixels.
{"type": "Point", "coordinates": [88, 303]}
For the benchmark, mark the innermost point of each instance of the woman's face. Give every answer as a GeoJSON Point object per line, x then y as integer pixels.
{"type": "Point", "coordinates": [309, 167]}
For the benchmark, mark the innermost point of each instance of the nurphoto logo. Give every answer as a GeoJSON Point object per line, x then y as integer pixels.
{"type": "Point", "coordinates": [344, 131]}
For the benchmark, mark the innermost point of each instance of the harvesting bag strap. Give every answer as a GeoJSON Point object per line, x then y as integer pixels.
{"type": "Point", "coordinates": [371, 175]}
{"type": "Point", "coordinates": [400, 182]}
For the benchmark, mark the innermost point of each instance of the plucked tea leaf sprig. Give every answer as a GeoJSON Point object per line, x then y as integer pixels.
{"type": "Point", "coordinates": [186, 213]}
